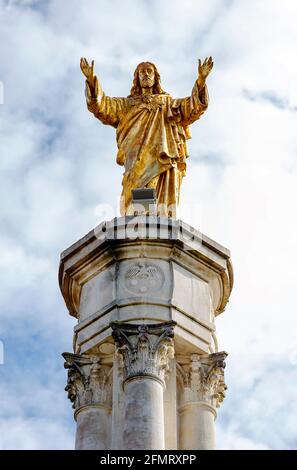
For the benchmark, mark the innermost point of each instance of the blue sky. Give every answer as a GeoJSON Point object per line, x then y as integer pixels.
{"type": "Point", "coordinates": [57, 165]}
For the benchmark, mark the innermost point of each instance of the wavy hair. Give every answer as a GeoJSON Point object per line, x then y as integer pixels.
{"type": "Point", "coordinates": [136, 88]}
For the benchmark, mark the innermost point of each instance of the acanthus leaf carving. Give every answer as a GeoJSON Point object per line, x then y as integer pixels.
{"type": "Point", "coordinates": [89, 382]}
{"type": "Point", "coordinates": [146, 350]}
{"type": "Point", "coordinates": [204, 379]}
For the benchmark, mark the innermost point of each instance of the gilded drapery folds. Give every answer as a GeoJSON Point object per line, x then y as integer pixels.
{"type": "Point", "coordinates": [151, 132]}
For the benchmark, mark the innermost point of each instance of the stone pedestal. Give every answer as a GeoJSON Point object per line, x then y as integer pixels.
{"type": "Point", "coordinates": [145, 291]}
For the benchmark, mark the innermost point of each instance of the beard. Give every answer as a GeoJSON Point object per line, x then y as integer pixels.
{"type": "Point", "coordinates": [147, 83]}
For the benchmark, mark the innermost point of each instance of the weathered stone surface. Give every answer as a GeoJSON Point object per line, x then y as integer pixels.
{"type": "Point", "coordinates": [128, 283]}
{"type": "Point", "coordinates": [150, 270]}
{"type": "Point", "coordinates": [203, 391]}
{"type": "Point", "coordinates": [143, 424]}
{"type": "Point", "coordinates": [89, 388]}
{"type": "Point", "coordinates": [89, 383]}
{"type": "Point", "coordinates": [146, 349]}
{"type": "Point", "coordinates": [146, 352]}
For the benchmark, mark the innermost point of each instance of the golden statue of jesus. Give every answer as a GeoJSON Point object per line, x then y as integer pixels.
{"type": "Point", "coordinates": [151, 131]}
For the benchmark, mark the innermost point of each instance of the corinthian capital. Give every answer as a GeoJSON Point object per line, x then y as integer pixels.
{"type": "Point", "coordinates": [204, 379]}
{"type": "Point", "coordinates": [146, 350]}
{"type": "Point", "coordinates": [89, 383]}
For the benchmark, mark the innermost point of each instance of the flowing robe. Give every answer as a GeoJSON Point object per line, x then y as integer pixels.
{"type": "Point", "coordinates": [151, 133]}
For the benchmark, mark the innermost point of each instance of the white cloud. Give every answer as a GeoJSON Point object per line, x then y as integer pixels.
{"type": "Point", "coordinates": [34, 433]}
{"type": "Point", "coordinates": [40, 429]}
{"type": "Point", "coordinates": [259, 410]}
{"type": "Point", "coordinates": [232, 441]}
{"type": "Point", "coordinates": [34, 411]}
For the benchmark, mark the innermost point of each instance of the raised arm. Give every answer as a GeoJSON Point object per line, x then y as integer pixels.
{"type": "Point", "coordinates": [203, 72]}
{"type": "Point", "coordinates": [188, 110]}
{"type": "Point", "coordinates": [108, 110]}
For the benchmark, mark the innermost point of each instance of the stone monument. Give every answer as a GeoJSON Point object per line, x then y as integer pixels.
{"type": "Point", "coordinates": [146, 288]}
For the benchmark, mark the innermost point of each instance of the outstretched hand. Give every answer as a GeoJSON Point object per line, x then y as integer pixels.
{"type": "Point", "coordinates": [87, 70]}
{"type": "Point", "coordinates": [204, 69]}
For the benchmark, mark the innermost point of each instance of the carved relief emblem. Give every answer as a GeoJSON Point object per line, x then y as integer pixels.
{"type": "Point", "coordinates": [144, 277]}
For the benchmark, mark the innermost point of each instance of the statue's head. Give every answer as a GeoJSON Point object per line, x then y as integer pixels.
{"type": "Point", "coordinates": [146, 75]}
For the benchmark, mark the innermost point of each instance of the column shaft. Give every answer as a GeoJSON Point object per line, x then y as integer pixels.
{"type": "Point", "coordinates": [146, 351]}
{"type": "Point", "coordinates": [204, 391]}
{"type": "Point", "coordinates": [197, 427]}
{"type": "Point", "coordinates": [89, 388]}
{"type": "Point", "coordinates": [144, 414]}
{"type": "Point", "coordinates": [93, 425]}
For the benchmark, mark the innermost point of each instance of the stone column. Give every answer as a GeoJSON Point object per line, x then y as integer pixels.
{"type": "Point", "coordinates": [89, 389]}
{"type": "Point", "coordinates": [146, 351]}
{"type": "Point", "coordinates": [204, 390]}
